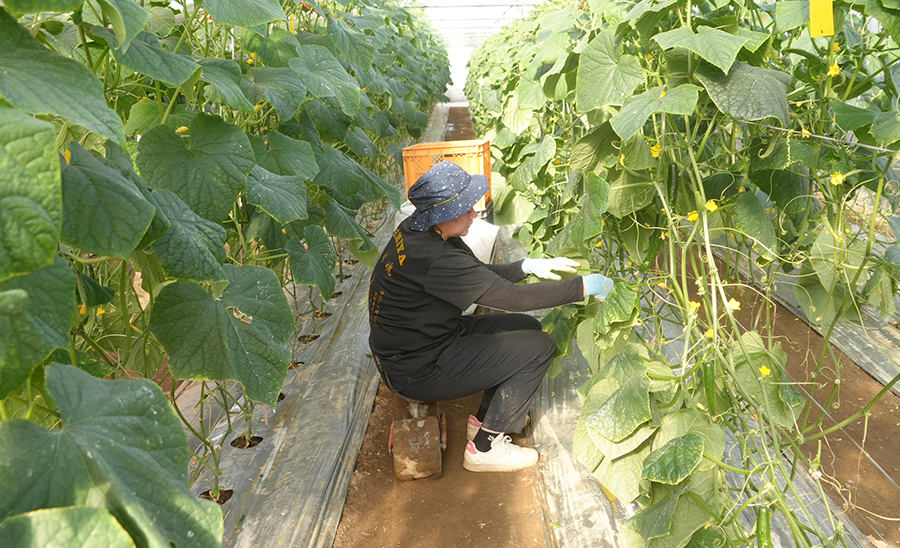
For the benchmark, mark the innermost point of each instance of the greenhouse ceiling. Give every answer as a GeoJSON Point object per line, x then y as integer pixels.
{"type": "Point", "coordinates": [467, 24]}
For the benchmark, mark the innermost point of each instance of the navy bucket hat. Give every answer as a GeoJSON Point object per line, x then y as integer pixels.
{"type": "Point", "coordinates": [444, 193]}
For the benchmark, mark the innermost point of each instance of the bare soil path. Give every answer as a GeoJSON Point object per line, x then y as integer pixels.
{"type": "Point", "coordinates": [461, 508]}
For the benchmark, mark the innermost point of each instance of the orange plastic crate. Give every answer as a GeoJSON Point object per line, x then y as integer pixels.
{"type": "Point", "coordinates": [473, 155]}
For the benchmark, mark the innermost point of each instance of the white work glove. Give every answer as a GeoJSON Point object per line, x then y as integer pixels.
{"type": "Point", "coordinates": [543, 268]}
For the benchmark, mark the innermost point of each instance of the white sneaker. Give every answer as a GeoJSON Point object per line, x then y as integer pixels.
{"type": "Point", "coordinates": [472, 427]}
{"type": "Point", "coordinates": [504, 456]}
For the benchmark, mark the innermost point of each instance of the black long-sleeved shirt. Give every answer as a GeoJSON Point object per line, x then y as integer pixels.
{"type": "Point", "coordinates": [422, 284]}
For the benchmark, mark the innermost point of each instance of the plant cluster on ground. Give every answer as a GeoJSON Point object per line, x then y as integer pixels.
{"type": "Point", "coordinates": [170, 174]}
{"type": "Point", "coordinates": [702, 153]}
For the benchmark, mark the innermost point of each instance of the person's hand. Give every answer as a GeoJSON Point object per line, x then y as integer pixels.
{"type": "Point", "coordinates": [597, 285]}
{"type": "Point", "coordinates": [543, 268]}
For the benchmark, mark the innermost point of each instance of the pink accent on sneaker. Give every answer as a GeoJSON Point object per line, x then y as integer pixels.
{"type": "Point", "coordinates": [470, 447]}
{"type": "Point", "coordinates": [472, 427]}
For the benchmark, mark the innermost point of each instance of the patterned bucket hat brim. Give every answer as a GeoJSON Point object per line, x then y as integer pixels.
{"type": "Point", "coordinates": [444, 193]}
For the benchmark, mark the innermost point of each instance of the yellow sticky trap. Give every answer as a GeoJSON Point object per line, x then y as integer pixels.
{"type": "Point", "coordinates": [821, 18]}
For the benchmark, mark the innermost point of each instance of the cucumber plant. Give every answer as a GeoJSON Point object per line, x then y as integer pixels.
{"type": "Point", "coordinates": [702, 153]}
{"type": "Point", "coordinates": [170, 171]}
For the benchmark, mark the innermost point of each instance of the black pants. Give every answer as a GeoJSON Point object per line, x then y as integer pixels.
{"type": "Point", "coordinates": [505, 355]}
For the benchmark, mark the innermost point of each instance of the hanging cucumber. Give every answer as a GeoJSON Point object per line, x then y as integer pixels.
{"type": "Point", "coordinates": [709, 385]}
{"type": "Point", "coordinates": [763, 527]}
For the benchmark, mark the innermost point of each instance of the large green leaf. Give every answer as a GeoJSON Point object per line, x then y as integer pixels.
{"type": "Point", "coordinates": [588, 222]}
{"type": "Point", "coordinates": [886, 128]}
{"type": "Point", "coordinates": [584, 449]}
{"type": "Point", "coordinates": [618, 307]}
{"type": "Point", "coordinates": [690, 421]}
{"type": "Point", "coordinates": [751, 219]}
{"type": "Point", "coordinates": [30, 193]}
{"type": "Point", "coordinates": [747, 92]}
{"type": "Point", "coordinates": [225, 76]}
{"type": "Point", "coordinates": [39, 6]}
{"type": "Point", "coordinates": [539, 154]}
{"type": "Point", "coordinates": [281, 196]}
{"type": "Point", "coordinates": [637, 154]}
{"type": "Point", "coordinates": [599, 393]}
{"type": "Point", "coordinates": [207, 167]}
{"type": "Point", "coordinates": [879, 291]}
{"type": "Point", "coordinates": [779, 153]}
{"type": "Point", "coordinates": [275, 50]}
{"type": "Point", "coordinates": [147, 56]}
{"type": "Point", "coordinates": [379, 188]}
{"type": "Point", "coordinates": [121, 448]}
{"type": "Point", "coordinates": [517, 115]}
{"type": "Point", "coordinates": [887, 15]}
{"type": "Point", "coordinates": [40, 81]}
{"type": "Point", "coordinates": [342, 223]}
{"type": "Point", "coordinates": [360, 143]}
{"type": "Point", "coordinates": [69, 527]}
{"type": "Point", "coordinates": [631, 359]}
{"type": "Point", "coordinates": [286, 156]}
{"type": "Point", "coordinates": [656, 520]}
{"type": "Point", "coordinates": [754, 39]}
{"type": "Point", "coordinates": [834, 260]}
{"type": "Point", "coordinates": [714, 45]}
{"type": "Point", "coordinates": [531, 94]}
{"type": "Point", "coordinates": [625, 410]}
{"type": "Point", "coordinates": [560, 324]}
{"type": "Point", "coordinates": [239, 336]}
{"type": "Point", "coordinates": [127, 17]}
{"type": "Point", "coordinates": [337, 171]}
{"type": "Point", "coordinates": [789, 189]}
{"type": "Point", "coordinates": [313, 264]}
{"type": "Point", "coordinates": [35, 322]}
{"type": "Point", "coordinates": [278, 86]}
{"type": "Point", "coordinates": [146, 114]}
{"type": "Point", "coordinates": [638, 108]}
{"type": "Point", "coordinates": [851, 118]}
{"type": "Point", "coordinates": [622, 476]}
{"type": "Point", "coordinates": [325, 77]}
{"type": "Point", "coordinates": [605, 75]}
{"type": "Point", "coordinates": [95, 293]}
{"type": "Point", "coordinates": [593, 148]}
{"type": "Point", "coordinates": [117, 158]}
{"type": "Point", "coordinates": [690, 516]}
{"type": "Point", "coordinates": [791, 14]}
{"type": "Point", "coordinates": [759, 373]}
{"type": "Point", "coordinates": [353, 44]}
{"type": "Point", "coordinates": [630, 191]}
{"type": "Point", "coordinates": [510, 207]}
{"type": "Point", "coordinates": [822, 305]}
{"type": "Point", "coordinates": [645, 6]}
{"type": "Point", "coordinates": [675, 460]}
{"type": "Point", "coordinates": [244, 13]}
{"type": "Point", "coordinates": [193, 248]}
{"type": "Point", "coordinates": [331, 122]}
{"type": "Point", "coordinates": [103, 212]}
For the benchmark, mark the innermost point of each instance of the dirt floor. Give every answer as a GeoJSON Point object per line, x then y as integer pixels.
{"type": "Point", "coordinates": [502, 510]}
{"type": "Point", "coordinates": [461, 508]}
{"type": "Point", "coordinates": [861, 463]}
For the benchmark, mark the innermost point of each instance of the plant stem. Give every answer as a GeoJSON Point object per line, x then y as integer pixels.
{"type": "Point", "coordinates": [123, 303]}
